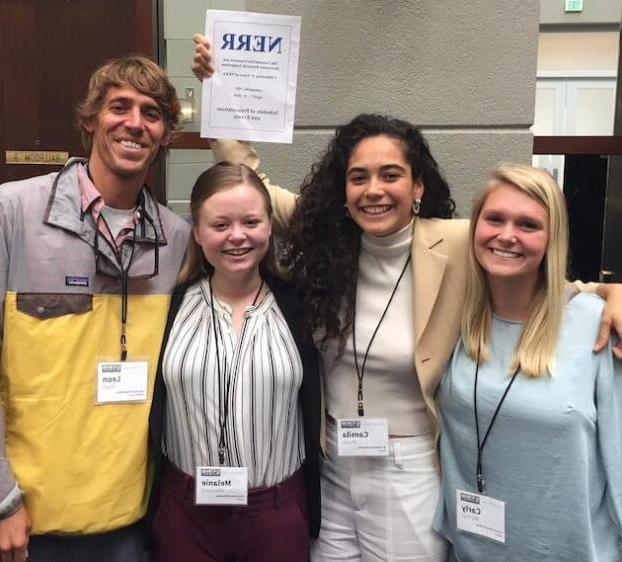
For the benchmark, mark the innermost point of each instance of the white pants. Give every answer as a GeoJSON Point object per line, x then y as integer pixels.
{"type": "Point", "coordinates": [380, 508]}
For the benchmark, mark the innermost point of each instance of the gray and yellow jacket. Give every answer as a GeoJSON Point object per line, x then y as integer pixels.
{"type": "Point", "coordinates": [82, 466]}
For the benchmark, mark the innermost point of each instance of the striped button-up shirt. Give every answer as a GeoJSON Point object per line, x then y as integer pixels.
{"type": "Point", "coordinates": [262, 370]}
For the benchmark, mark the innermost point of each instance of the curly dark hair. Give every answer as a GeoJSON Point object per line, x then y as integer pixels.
{"type": "Point", "coordinates": [322, 243]}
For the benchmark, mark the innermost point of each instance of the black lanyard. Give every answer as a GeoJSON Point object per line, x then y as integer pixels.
{"type": "Point", "coordinates": [480, 446]}
{"type": "Point", "coordinates": [124, 277]}
{"type": "Point", "coordinates": [223, 411]}
{"type": "Point", "coordinates": [360, 373]}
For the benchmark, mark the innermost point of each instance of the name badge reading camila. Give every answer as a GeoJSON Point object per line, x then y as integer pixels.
{"type": "Point", "coordinates": [363, 437]}
{"type": "Point", "coordinates": [221, 485]}
{"type": "Point", "coordinates": [122, 381]}
{"type": "Point", "coordinates": [480, 515]}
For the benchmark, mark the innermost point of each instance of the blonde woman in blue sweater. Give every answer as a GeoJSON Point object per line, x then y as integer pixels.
{"type": "Point", "coordinates": [531, 449]}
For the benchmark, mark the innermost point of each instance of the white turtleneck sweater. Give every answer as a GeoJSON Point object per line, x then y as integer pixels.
{"type": "Point", "coordinates": [390, 385]}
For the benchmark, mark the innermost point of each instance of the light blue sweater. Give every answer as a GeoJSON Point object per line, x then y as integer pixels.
{"type": "Point", "coordinates": [554, 455]}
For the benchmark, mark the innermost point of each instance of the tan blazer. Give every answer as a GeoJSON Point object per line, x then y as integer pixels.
{"type": "Point", "coordinates": [439, 257]}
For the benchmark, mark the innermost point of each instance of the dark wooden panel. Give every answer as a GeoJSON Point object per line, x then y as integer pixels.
{"type": "Point", "coordinates": [48, 49]}
{"type": "Point", "coordinates": [577, 145]}
{"type": "Point", "coordinates": [190, 140]}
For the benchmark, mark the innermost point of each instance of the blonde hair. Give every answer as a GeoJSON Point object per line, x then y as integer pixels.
{"type": "Point", "coordinates": [220, 177]}
{"type": "Point", "coordinates": [142, 74]}
{"type": "Point", "coordinates": [535, 351]}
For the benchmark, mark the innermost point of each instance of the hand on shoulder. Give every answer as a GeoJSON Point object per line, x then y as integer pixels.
{"type": "Point", "coordinates": [611, 321]}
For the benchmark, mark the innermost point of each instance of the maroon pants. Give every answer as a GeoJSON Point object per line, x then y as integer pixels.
{"type": "Point", "coordinates": [272, 527]}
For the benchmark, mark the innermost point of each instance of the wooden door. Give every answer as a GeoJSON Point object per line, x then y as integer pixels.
{"type": "Point", "coordinates": [48, 49]}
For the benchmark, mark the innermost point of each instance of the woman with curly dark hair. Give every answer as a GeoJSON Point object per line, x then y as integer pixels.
{"type": "Point", "coordinates": [324, 237]}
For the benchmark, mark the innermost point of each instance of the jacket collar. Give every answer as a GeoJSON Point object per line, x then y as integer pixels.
{"type": "Point", "coordinates": [64, 209]}
{"type": "Point", "coordinates": [428, 271]}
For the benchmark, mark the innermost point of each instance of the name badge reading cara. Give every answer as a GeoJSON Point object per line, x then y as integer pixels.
{"type": "Point", "coordinates": [122, 381]}
{"type": "Point", "coordinates": [221, 485]}
{"type": "Point", "coordinates": [480, 515]}
{"type": "Point", "coordinates": [363, 437]}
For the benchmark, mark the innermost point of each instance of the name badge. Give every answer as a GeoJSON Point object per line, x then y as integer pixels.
{"type": "Point", "coordinates": [122, 381]}
{"type": "Point", "coordinates": [363, 437]}
{"type": "Point", "coordinates": [221, 485]}
{"type": "Point", "coordinates": [480, 515]}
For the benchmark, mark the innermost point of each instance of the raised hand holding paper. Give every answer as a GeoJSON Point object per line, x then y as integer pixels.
{"type": "Point", "coordinates": [252, 94]}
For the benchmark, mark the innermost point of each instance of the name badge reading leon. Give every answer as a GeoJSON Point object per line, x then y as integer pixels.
{"type": "Point", "coordinates": [363, 437]}
{"type": "Point", "coordinates": [480, 515]}
{"type": "Point", "coordinates": [221, 485]}
{"type": "Point", "coordinates": [122, 381]}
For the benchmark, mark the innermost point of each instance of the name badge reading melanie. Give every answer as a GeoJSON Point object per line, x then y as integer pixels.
{"type": "Point", "coordinates": [480, 515]}
{"type": "Point", "coordinates": [221, 485]}
{"type": "Point", "coordinates": [122, 381]}
{"type": "Point", "coordinates": [363, 437]}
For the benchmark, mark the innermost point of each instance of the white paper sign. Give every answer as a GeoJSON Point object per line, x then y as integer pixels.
{"type": "Point", "coordinates": [363, 437]}
{"type": "Point", "coordinates": [481, 515]}
{"type": "Point", "coordinates": [252, 94]}
{"type": "Point", "coordinates": [221, 485]}
{"type": "Point", "coordinates": [122, 381]}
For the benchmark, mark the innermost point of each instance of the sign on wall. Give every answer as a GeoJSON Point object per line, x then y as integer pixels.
{"type": "Point", "coordinates": [574, 6]}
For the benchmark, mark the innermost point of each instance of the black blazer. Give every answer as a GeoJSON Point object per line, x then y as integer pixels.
{"type": "Point", "coordinates": [309, 396]}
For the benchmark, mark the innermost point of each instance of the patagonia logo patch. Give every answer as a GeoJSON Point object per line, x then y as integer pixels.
{"type": "Point", "coordinates": [76, 281]}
